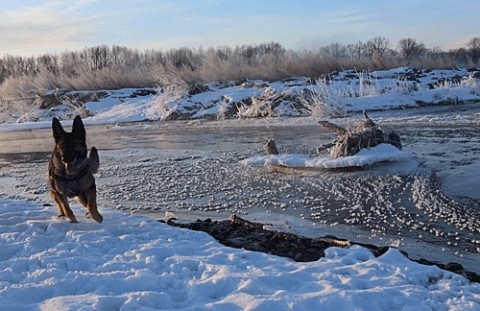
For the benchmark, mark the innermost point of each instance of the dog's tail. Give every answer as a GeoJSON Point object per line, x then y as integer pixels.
{"type": "Point", "coordinates": [93, 160]}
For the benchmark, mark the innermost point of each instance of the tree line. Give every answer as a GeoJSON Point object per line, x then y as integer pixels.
{"type": "Point", "coordinates": [110, 67]}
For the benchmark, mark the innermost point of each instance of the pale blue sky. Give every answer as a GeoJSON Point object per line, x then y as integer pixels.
{"type": "Point", "coordinates": [32, 27]}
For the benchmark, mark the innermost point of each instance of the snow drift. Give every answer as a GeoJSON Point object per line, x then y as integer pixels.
{"type": "Point", "coordinates": [133, 262]}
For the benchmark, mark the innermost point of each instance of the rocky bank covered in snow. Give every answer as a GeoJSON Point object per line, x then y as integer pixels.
{"type": "Point", "coordinates": [333, 95]}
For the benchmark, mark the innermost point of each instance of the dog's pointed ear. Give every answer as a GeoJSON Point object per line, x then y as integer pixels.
{"type": "Point", "coordinates": [78, 130]}
{"type": "Point", "coordinates": [57, 128]}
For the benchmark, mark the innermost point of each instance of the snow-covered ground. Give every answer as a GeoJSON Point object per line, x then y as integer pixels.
{"type": "Point", "coordinates": [132, 262]}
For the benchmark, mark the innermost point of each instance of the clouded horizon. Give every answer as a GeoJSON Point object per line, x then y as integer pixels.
{"type": "Point", "coordinates": [37, 27]}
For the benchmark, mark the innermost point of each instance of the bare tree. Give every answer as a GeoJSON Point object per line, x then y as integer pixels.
{"type": "Point", "coordinates": [474, 49]}
{"type": "Point", "coordinates": [48, 63]}
{"type": "Point", "coordinates": [271, 48]}
{"type": "Point", "coordinates": [335, 50]}
{"type": "Point", "coordinates": [3, 73]}
{"type": "Point", "coordinates": [460, 56]}
{"type": "Point", "coordinates": [410, 49]}
{"type": "Point", "coordinates": [98, 56]}
{"type": "Point", "coordinates": [117, 55]}
{"type": "Point", "coordinates": [356, 50]}
{"type": "Point", "coordinates": [377, 46]}
{"type": "Point", "coordinates": [376, 49]}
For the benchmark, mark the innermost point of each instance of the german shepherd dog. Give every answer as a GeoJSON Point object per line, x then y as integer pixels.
{"type": "Point", "coordinates": [70, 172]}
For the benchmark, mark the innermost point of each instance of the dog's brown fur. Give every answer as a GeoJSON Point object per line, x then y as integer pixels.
{"type": "Point", "coordinates": [70, 172]}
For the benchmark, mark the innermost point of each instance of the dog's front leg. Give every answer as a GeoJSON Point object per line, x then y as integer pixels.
{"type": "Point", "coordinates": [63, 207]}
{"type": "Point", "coordinates": [91, 196]}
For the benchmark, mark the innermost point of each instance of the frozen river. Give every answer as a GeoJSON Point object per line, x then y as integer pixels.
{"type": "Point", "coordinates": [191, 170]}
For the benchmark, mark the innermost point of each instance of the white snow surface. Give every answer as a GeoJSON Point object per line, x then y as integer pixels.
{"type": "Point", "coordinates": [132, 262]}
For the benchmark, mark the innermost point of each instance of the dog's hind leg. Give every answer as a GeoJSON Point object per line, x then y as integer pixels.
{"type": "Point", "coordinates": [63, 207]}
{"type": "Point", "coordinates": [89, 200]}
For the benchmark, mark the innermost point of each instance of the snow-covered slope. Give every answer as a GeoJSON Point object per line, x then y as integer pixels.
{"type": "Point", "coordinates": [135, 263]}
{"type": "Point", "coordinates": [336, 94]}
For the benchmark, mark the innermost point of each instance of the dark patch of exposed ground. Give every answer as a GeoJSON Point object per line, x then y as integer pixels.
{"type": "Point", "coordinates": [239, 233]}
